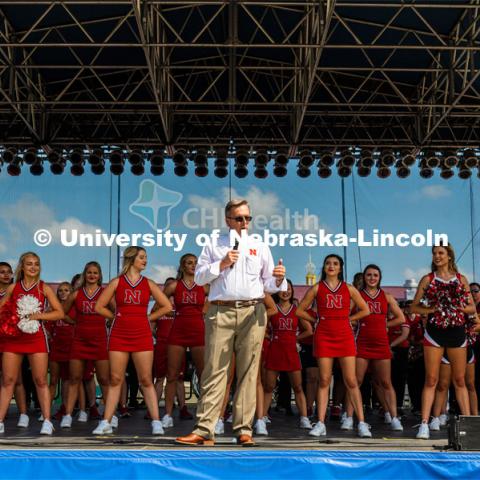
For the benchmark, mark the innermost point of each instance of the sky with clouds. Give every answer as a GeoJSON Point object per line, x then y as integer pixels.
{"type": "Point", "coordinates": [192, 205]}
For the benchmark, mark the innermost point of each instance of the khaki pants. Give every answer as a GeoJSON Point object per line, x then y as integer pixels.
{"type": "Point", "coordinates": [230, 330]}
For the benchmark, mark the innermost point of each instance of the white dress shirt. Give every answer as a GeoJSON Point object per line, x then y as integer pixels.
{"type": "Point", "coordinates": [250, 276]}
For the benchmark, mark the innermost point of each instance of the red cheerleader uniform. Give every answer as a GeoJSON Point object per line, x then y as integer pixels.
{"type": "Point", "coordinates": [26, 343]}
{"type": "Point", "coordinates": [372, 335]}
{"type": "Point", "coordinates": [188, 329]}
{"type": "Point", "coordinates": [164, 325]}
{"type": "Point", "coordinates": [333, 336]}
{"type": "Point", "coordinates": [130, 331]}
{"type": "Point", "coordinates": [282, 354]}
{"type": "Point", "coordinates": [90, 339]}
{"type": "Point", "coordinates": [62, 338]}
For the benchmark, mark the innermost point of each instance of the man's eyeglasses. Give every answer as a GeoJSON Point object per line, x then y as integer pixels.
{"type": "Point", "coordinates": [476, 290]}
{"type": "Point", "coordinates": [241, 219]}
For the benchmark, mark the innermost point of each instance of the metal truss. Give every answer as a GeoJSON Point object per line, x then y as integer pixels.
{"type": "Point", "coordinates": [276, 74]}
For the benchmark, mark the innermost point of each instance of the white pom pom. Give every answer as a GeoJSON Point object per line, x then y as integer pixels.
{"type": "Point", "coordinates": [28, 326]}
{"type": "Point", "coordinates": [26, 306]}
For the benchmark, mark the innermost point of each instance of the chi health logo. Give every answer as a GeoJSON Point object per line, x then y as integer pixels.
{"type": "Point", "coordinates": [154, 204]}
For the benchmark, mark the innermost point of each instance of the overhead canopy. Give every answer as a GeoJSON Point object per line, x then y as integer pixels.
{"type": "Point", "coordinates": [274, 74]}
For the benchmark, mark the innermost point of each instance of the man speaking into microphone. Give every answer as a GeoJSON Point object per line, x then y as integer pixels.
{"type": "Point", "coordinates": [234, 323]}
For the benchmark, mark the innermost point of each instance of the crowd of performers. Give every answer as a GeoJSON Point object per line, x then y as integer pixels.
{"type": "Point", "coordinates": [351, 332]}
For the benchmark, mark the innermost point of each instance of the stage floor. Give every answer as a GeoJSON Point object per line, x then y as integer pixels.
{"type": "Point", "coordinates": [134, 433]}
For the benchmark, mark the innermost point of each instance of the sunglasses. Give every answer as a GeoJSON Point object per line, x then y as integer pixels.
{"type": "Point", "coordinates": [241, 219]}
{"type": "Point", "coordinates": [475, 291]}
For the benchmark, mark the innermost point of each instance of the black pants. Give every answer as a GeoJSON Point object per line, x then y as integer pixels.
{"type": "Point", "coordinates": [416, 380]}
{"type": "Point", "coordinates": [476, 349]}
{"type": "Point", "coordinates": [399, 373]}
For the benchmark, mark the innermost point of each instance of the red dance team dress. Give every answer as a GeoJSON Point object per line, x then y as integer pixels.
{"type": "Point", "coordinates": [333, 336]}
{"type": "Point", "coordinates": [90, 339]}
{"type": "Point", "coordinates": [372, 336]}
{"type": "Point", "coordinates": [130, 331]}
{"type": "Point", "coordinates": [26, 343]}
{"type": "Point", "coordinates": [188, 329]}
{"type": "Point", "coordinates": [62, 338]}
{"type": "Point", "coordinates": [282, 353]}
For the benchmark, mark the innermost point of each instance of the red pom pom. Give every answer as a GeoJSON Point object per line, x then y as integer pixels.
{"type": "Point", "coordinates": [9, 320]}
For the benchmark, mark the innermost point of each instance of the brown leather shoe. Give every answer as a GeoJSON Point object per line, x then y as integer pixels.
{"type": "Point", "coordinates": [195, 440]}
{"type": "Point", "coordinates": [245, 441]}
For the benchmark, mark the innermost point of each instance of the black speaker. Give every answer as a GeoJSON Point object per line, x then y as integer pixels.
{"type": "Point", "coordinates": [464, 432]}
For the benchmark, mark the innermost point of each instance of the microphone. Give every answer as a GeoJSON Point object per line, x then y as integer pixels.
{"type": "Point", "coordinates": [235, 247]}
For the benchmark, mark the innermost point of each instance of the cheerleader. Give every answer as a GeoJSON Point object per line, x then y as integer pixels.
{"type": "Point", "coordinates": [6, 279]}
{"type": "Point", "coordinates": [282, 353]}
{"type": "Point", "coordinates": [188, 329]}
{"type": "Point", "coordinates": [448, 300]}
{"type": "Point", "coordinates": [90, 338]}
{"type": "Point", "coordinates": [61, 342]}
{"type": "Point", "coordinates": [334, 338]}
{"type": "Point", "coordinates": [28, 284]}
{"type": "Point", "coordinates": [373, 346]}
{"type": "Point", "coordinates": [439, 415]}
{"type": "Point", "coordinates": [130, 334]}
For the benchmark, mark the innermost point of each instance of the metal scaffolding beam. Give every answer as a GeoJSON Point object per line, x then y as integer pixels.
{"type": "Point", "coordinates": [259, 73]}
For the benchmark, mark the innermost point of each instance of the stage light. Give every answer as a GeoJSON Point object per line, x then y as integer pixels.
{"type": "Point", "coordinates": [303, 172]}
{"type": "Point", "coordinates": [221, 167]}
{"type": "Point", "coordinates": [261, 158]}
{"type": "Point", "coordinates": [324, 171]}
{"type": "Point", "coordinates": [347, 159]}
{"type": "Point", "coordinates": [241, 164]}
{"type": "Point", "coordinates": [157, 163]}
{"type": "Point", "coordinates": [425, 170]}
{"type": "Point", "coordinates": [14, 167]}
{"type": "Point", "coordinates": [450, 159]}
{"type": "Point", "coordinates": [96, 156]}
{"type": "Point", "coordinates": [97, 169]}
{"type": "Point", "coordinates": [470, 159]}
{"type": "Point", "coordinates": [387, 159]}
{"type": "Point", "coordinates": [117, 162]}
{"type": "Point", "coordinates": [306, 159]}
{"type": "Point", "coordinates": [402, 170]}
{"type": "Point", "coordinates": [57, 162]}
{"type": "Point", "coordinates": [446, 173]}
{"type": "Point", "coordinates": [36, 168]}
{"type": "Point", "coordinates": [261, 161]}
{"type": "Point", "coordinates": [383, 171]}
{"type": "Point", "coordinates": [76, 156]}
{"type": "Point", "coordinates": [366, 159]}
{"type": "Point", "coordinates": [342, 169]}
{"type": "Point", "coordinates": [279, 170]}
{"type": "Point", "coordinates": [363, 171]}
{"type": "Point", "coordinates": [326, 159]}
{"type": "Point", "coordinates": [464, 171]}
{"type": "Point", "coordinates": [54, 157]}
{"type": "Point", "coordinates": [30, 157]}
{"type": "Point", "coordinates": [281, 158]}
{"type": "Point", "coordinates": [431, 159]}
{"type": "Point", "coordinates": [408, 158]}
{"type": "Point", "coordinates": [135, 157]}
{"type": "Point", "coordinates": [9, 154]}
{"type": "Point", "coordinates": [280, 165]}
{"type": "Point", "coordinates": [138, 168]}
{"type": "Point", "coordinates": [201, 163]}
{"type": "Point", "coordinates": [180, 162]}
{"type": "Point", "coordinates": [77, 169]}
